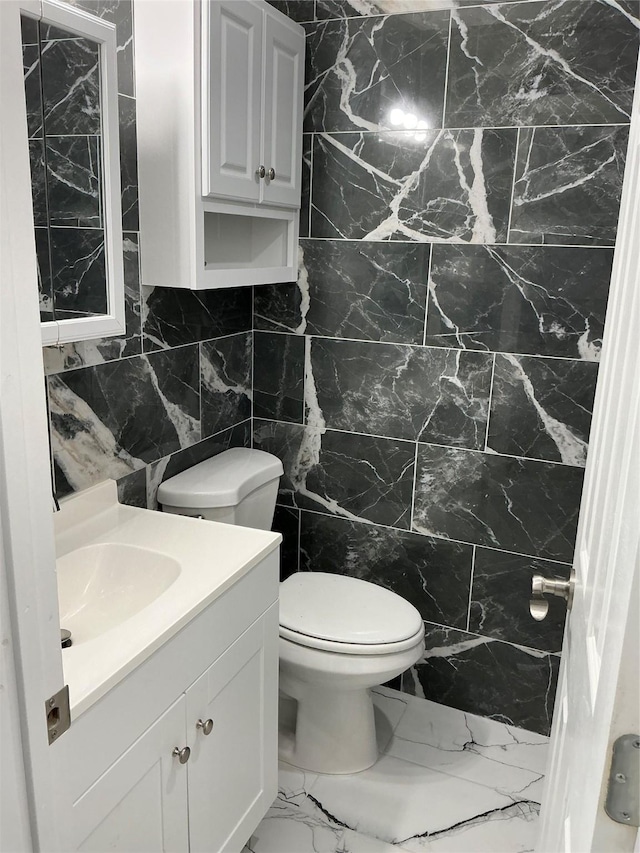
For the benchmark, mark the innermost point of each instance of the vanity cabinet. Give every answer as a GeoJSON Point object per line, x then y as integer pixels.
{"type": "Point", "coordinates": [219, 92]}
{"type": "Point", "coordinates": [253, 72]}
{"type": "Point", "coordinates": [123, 786]}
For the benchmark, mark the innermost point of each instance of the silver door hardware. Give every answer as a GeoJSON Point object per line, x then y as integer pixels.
{"type": "Point", "coordinates": [206, 726]}
{"type": "Point", "coordinates": [261, 172]}
{"type": "Point", "coordinates": [623, 792]}
{"type": "Point", "coordinates": [541, 586]}
{"type": "Point", "coordinates": [271, 173]}
{"type": "Point", "coordinates": [182, 754]}
{"type": "Point", "coordinates": [58, 714]}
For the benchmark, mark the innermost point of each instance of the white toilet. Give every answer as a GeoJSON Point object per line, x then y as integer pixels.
{"type": "Point", "coordinates": [339, 636]}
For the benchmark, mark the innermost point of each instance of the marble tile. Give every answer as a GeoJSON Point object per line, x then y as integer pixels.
{"type": "Point", "coordinates": [358, 477]}
{"type": "Point", "coordinates": [172, 316]}
{"type": "Point", "coordinates": [296, 822]}
{"type": "Point", "coordinates": [118, 12]}
{"type": "Point", "coordinates": [99, 433]}
{"type": "Point", "coordinates": [31, 70]}
{"type": "Point", "coordinates": [305, 192]}
{"type": "Point", "coordinates": [359, 70]}
{"type": "Point", "coordinates": [297, 10]}
{"type": "Point", "coordinates": [541, 408]}
{"type": "Point", "coordinates": [351, 289]}
{"type": "Point", "coordinates": [389, 707]}
{"type": "Point", "coordinates": [545, 300]}
{"type": "Point", "coordinates": [287, 522]}
{"type": "Point", "coordinates": [70, 85]}
{"type": "Point", "coordinates": [520, 690]}
{"type": "Point", "coordinates": [98, 350]}
{"type": "Point", "coordinates": [356, 842]}
{"type": "Point", "coordinates": [128, 163]}
{"type": "Point", "coordinates": [38, 182]}
{"type": "Point", "coordinates": [488, 752]}
{"type": "Point", "coordinates": [278, 377]}
{"type": "Point", "coordinates": [352, 8]}
{"type": "Point", "coordinates": [74, 179]}
{"type": "Point", "coordinates": [432, 574]}
{"type": "Point", "coordinates": [568, 185]}
{"type": "Point", "coordinates": [45, 285]}
{"type": "Point", "coordinates": [176, 463]}
{"type": "Point", "coordinates": [500, 600]}
{"type": "Point", "coordinates": [415, 393]}
{"type": "Point", "coordinates": [545, 63]}
{"type": "Point", "coordinates": [398, 802]}
{"type": "Point", "coordinates": [78, 269]}
{"type": "Point", "coordinates": [515, 504]}
{"type": "Point", "coordinates": [132, 489]}
{"type": "Point", "coordinates": [225, 382]}
{"type": "Point", "coordinates": [443, 185]}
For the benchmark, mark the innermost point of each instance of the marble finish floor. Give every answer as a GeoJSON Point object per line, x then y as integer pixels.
{"type": "Point", "coordinates": [446, 782]}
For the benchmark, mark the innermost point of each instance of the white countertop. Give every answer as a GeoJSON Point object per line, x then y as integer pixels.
{"type": "Point", "coordinates": [212, 558]}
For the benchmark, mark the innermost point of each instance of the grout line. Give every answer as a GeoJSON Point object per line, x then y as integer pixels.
{"type": "Point", "coordinates": [360, 131]}
{"type": "Point", "coordinates": [513, 184]}
{"type": "Point", "coordinates": [426, 304]}
{"type": "Point", "coordinates": [413, 488]}
{"type": "Point", "coordinates": [489, 402]}
{"type": "Point", "coordinates": [313, 139]}
{"type": "Point", "coordinates": [433, 241]}
{"type": "Point", "coordinates": [473, 568]}
{"type": "Point", "coordinates": [446, 70]}
{"type": "Point", "coordinates": [431, 536]}
{"type": "Point", "coordinates": [490, 454]}
{"type": "Point", "coordinates": [419, 346]}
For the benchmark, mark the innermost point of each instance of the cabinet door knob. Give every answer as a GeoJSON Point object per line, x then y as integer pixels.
{"type": "Point", "coordinates": [261, 172]}
{"type": "Point", "coordinates": [182, 754]}
{"type": "Point", "coordinates": [205, 725]}
{"type": "Point", "coordinates": [271, 173]}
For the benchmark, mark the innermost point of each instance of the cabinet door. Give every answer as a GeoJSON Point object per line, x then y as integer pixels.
{"type": "Point", "coordinates": [139, 805]}
{"type": "Point", "coordinates": [233, 771]}
{"type": "Point", "coordinates": [232, 81]}
{"type": "Point", "coordinates": [282, 112]}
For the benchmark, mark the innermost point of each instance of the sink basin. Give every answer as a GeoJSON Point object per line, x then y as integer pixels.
{"type": "Point", "coordinates": [100, 586]}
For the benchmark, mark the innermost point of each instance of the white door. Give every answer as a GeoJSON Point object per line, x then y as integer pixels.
{"type": "Point", "coordinates": [232, 95]}
{"type": "Point", "coordinates": [597, 694]}
{"type": "Point", "coordinates": [233, 769]}
{"type": "Point", "coordinates": [138, 805]}
{"type": "Point", "coordinates": [282, 116]}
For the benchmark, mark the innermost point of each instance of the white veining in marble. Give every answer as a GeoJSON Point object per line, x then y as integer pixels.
{"type": "Point", "coordinates": [446, 782]}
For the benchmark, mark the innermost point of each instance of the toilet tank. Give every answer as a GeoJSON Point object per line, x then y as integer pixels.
{"type": "Point", "coordinates": [238, 486]}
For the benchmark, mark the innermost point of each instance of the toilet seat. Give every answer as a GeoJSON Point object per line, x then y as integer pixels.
{"type": "Point", "coordinates": [345, 615]}
{"type": "Point", "coordinates": [344, 648]}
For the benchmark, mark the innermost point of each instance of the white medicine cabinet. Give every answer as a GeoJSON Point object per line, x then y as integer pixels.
{"type": "Point", "coordinates": [219, 95]}
{"type": "Point", "coordinates": [70, 88]}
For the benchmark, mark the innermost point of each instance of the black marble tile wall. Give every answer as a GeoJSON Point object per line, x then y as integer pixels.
{"type": "Point", "coordinates": [429, 380]}
{"type": "Point", "coordinates": [177, 387]}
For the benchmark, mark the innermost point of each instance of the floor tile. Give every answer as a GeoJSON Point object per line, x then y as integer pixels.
{"type": "Point", "coordinates": [389, 707]}
{"type": "Point", "coordinates": [356, 842]}
{"type": "Point", "coordinates": [396, 800]}
{"type": "Point", "coordinates": [511, 761]}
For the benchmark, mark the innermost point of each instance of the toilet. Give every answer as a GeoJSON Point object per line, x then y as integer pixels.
{"type": "Point", "coordinates": [339, 636]}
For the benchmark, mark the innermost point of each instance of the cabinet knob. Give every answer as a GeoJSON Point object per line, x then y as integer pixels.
{"type": "Point", "coordinates": [205, 725]}
{"type": "Point", "coordinates": [182, 754]}
{"type": "Point", "coordinates": [261, 172]}
{"type": "Point", "coordinates": [271, 173]}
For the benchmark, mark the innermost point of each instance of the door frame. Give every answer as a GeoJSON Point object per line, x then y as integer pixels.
{"type": "Point", "coordinates": [26, 516]}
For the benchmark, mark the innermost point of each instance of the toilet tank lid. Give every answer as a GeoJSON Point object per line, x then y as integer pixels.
{"type": "Point", "coordinates": [345, 609]}
{"type": "Point", "coordinates": [223, 480]}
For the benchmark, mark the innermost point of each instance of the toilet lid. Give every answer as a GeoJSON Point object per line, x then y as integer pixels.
{"type": "Point", "coordinates": [345, 610]}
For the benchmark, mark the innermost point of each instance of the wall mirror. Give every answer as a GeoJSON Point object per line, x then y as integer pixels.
{"type": "Point", "coordinates": [70, 85]}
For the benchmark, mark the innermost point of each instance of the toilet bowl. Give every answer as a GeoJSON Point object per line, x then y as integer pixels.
{"type": "Point", "coordinates": [339, 636]}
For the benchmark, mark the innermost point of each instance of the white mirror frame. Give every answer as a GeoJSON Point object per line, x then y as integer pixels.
{"type": "Point", "coordinates": [83, 24]}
